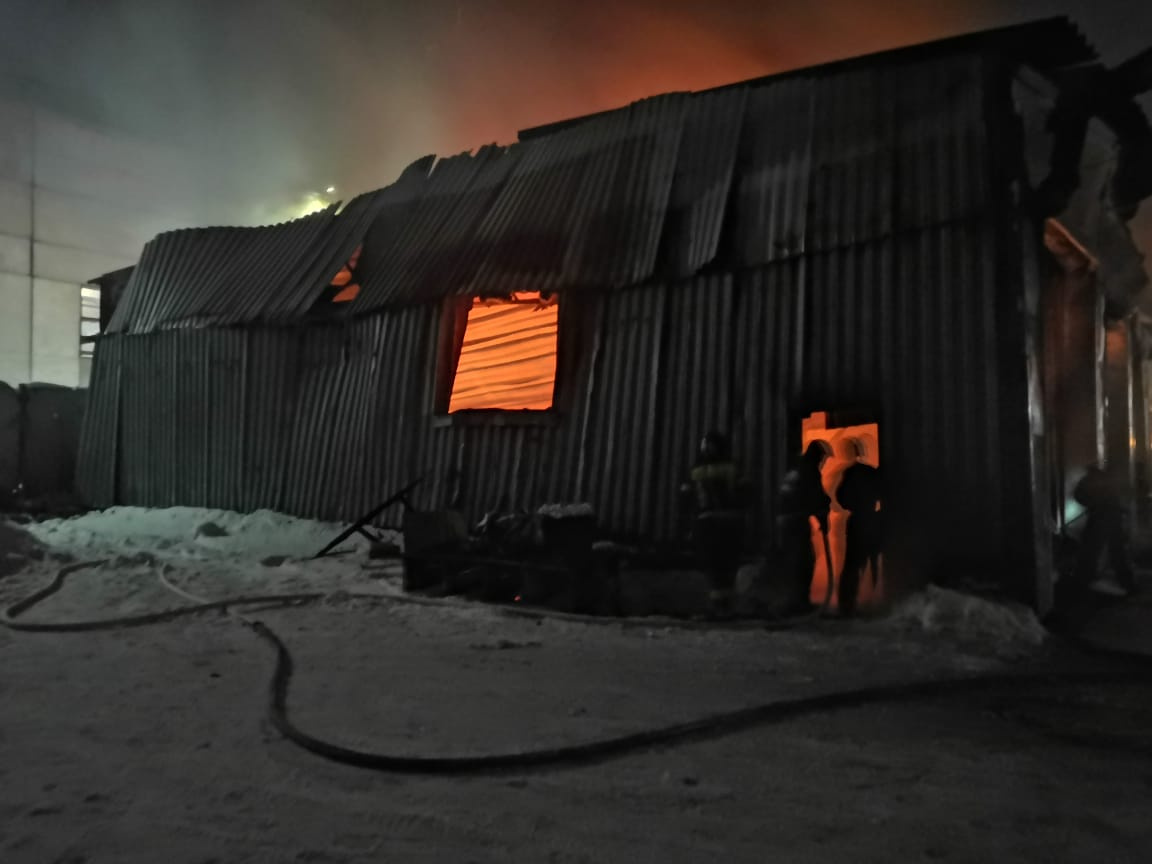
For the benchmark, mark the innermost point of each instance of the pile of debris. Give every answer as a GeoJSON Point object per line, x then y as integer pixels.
{"type": "Point", "coordinates": [547, 558]}
{"type": "Point", "coordinates": [554, 558]}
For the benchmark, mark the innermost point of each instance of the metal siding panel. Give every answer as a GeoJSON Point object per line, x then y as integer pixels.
{"type": "Point", "coordinates": [942, 141]}
{"type": "Point", "coordinates": [618, 462]}
{"type": "Point", "coordinates": [763, 395]}
{"type": "Point", "coordinates": [770, 201]}
{"type": "Point", "coordinates": [426, 250]}
{"type": "Point", "coordinates": [944, 415]}
{"type": "Point", "coordinates": [584, 206]}
{"type": "Point", "coordinates": [96, 461]}
{"type": "Point", "coordinates": [695, 386]}
{"type": "Point", "coordinates": [705, 166]}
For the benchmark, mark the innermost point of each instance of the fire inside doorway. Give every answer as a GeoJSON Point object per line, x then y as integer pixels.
{"type": "Point", "coordinates": [849, 444]}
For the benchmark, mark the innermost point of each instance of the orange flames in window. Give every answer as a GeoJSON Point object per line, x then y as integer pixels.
{"type": "Point", "coordinates": [508, 360]}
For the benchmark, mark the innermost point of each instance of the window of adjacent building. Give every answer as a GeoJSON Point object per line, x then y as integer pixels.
{"type": "Point", "coordinates": [89, 319]}
{"type": "Point", "coordinates": [507, 356]}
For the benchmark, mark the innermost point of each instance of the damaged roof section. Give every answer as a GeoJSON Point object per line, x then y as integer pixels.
{"type": "Point", "coordinates": [665, 188]}
{"type": "Point", "coordinates": [201, 277]}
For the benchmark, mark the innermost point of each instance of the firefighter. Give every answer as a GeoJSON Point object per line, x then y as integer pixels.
{"type": "Point", "coordinates": [715, 498]}
{"type": "Point", "coordinates": [1102, 492]}
{"type": "Point", "coordinates": [859, 493]}
{"type": "Point", "coordinates": [802, 496]}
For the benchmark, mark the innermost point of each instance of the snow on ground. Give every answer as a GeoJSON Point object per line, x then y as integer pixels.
{"type": "Point", "coordinates": [191, 533]}
{"type": "Point", "coordinates": [212, 553]}
{"type": "Point", "coordinates": [970, 620]}
{"type": "Point", "coordinates": [215, 554]}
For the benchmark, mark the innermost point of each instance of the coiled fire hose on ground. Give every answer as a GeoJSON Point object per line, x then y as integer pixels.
{"type": "Point", "coordinates": [1128, 667]}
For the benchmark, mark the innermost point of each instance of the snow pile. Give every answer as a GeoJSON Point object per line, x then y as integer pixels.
{"type": "Point", "coordinates": [1000, 627]}
{"type": "Point", "coordinates": [191, 533]}
{"type": "Point", "coordinates": [209, 553]}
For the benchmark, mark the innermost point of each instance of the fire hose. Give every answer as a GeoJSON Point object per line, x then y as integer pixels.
{"type": "Point", "coordinates": [1133, 667]}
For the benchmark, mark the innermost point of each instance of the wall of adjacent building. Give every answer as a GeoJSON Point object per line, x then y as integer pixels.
{"type": "Point", "coordinates": [75, 203]}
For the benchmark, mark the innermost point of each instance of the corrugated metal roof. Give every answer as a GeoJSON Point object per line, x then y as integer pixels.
{"type": "Point", "coordinates": [424, 250]}
{"type": "Point", "coordinates": [200, 275]}
{"type": "Point", "coordinates": [585, 206]}
{"type": "Point", "coordinates": [734, 178]}
{"type": "Point", "coordinates": [218, 276]}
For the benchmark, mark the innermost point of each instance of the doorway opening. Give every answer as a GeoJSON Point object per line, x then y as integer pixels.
{"type": "Point", "coordinates": [850, 440]}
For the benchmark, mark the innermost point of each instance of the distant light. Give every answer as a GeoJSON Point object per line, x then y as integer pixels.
{"type": "Point", "coordinates": [310, 204]}
{"type": "Point", "coordinates": [330, 189]}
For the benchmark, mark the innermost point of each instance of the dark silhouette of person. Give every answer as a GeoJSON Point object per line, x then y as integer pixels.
{"type": "Point", "coordinates": [802, 496]}
{"type": "Point", "coordinates": [716, 501]}
{"type": "Point", "coordinates": [1103, 493]}
{"type": "Point", "coordinates": [860, 494]}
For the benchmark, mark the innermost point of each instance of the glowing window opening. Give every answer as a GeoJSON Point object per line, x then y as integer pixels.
{"type": "Point", "coordinates": [345, 280]}
{"type": "Point", "coordinates": [508, 356]}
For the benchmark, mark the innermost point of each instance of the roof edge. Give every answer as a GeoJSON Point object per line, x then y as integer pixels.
{"type": "Point", "coordinates": [1076, 51]}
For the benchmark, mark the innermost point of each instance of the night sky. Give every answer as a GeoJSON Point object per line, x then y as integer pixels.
{"type": "Point", "coordinates": [305, 94]}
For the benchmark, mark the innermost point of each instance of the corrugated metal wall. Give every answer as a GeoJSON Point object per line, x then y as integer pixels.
{"type": "Point", "coordinates": [39, 432]}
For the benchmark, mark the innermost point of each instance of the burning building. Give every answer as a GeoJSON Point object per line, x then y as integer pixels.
{"type": "Point", "coordinates": [929, 244]}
